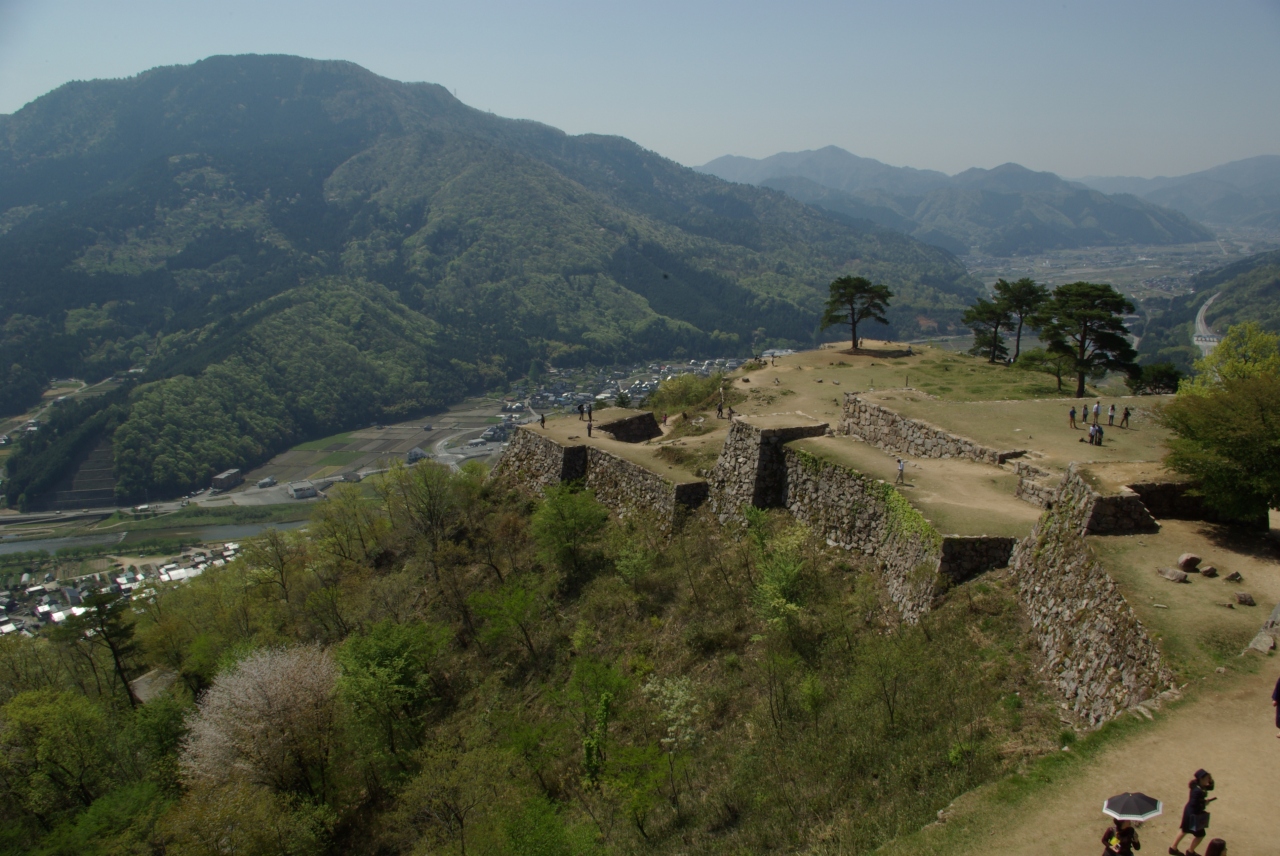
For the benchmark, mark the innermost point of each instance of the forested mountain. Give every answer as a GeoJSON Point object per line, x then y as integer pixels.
{"type": "Point", "coordinates": [1240, 193]}
{"type": "Point", "coordinates": [1247, 290]}
{"type": "Point", "coordinates": [299, 245]}
{"type": "Point", "coordinates": [1003, 211]}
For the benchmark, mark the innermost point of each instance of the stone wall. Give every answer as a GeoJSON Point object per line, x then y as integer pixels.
{"type": "Point", "coordinates": [636, 428]}
{"type": "Point", "coordinates": [965, 556]}
{"type": "Point", "coordinates": [751, 469]}
{"type": "Point", "coordinates": [1035, 485]}
{"type": "Point", "coordinates": [1120, 514]}
{"type": "Point", "coordinates": [537, 461]}
{"type": "Point", "coordinates": [867, 515]}
{"type": "Point", "coordinates": [894, 432]}
{"type": "Point", "coordinates": [1097, 653]}
{"type": "Point", "coordinates": [625, 487]}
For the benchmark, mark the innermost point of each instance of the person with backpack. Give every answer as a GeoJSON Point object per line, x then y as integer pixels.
{"type": "Point", "coordinates": [1195, 817]}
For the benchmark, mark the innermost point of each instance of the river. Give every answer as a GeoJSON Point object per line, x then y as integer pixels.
{"type": "Point", "coordinates": [231, 532]}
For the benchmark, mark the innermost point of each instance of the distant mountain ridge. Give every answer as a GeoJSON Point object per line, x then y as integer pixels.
{"type": "Point", "coordinates": [1001, 211]}
{"type": "Point", "coordinates": [1240, 193]}
{"type": "Point", "coordinates": [290, 246]}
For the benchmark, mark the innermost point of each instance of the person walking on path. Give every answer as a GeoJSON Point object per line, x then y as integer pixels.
{"type": "Point", "coordinates": [1111, 415]}
{"type": "Point", "coordinates": [720, 410]}
{"type": "Point", "coordinates": [542, 420]}
{"type": "Point", "coordinates": [902, 479]}
{"type": "Point", "coordinates": [1122, 838]}
{"type": "Point", "coordinates": [1195, 817]}
{"type": "Point", "coordinates": [1275, 701]}
{"type": "Point", "coordinates": [1124, 418]}
{"type": "Point", "coordinates": [1071, 416]}
{"type": "Point", "coordinates": [580, 409]}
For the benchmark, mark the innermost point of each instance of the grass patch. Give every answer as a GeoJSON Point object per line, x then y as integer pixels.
{"type": "Point", "coordinates": [324, 443]}
{"type": "Point", "coordinates": [340, 459]}
{"type": "Point", "coordinates": [200, 516]}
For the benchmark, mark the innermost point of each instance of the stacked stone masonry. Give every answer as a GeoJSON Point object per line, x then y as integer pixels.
{"type": "Point", "coordinates": [1096, 651]}
{"type": "Point", "coordinates": [1035, 485]}
{"type": "Point", "coordinates": [538, 462]}
{"type": "Point", "coordinates": [632, 429]}
{"type": "Point", "coordinates": [894, 432]}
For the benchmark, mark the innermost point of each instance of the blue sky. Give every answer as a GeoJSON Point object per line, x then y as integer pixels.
{"type": "Point", "coordinates": [1130, 87]}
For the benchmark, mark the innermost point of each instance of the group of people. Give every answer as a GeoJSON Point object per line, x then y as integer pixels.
{"type": "Point", "coordinates": [1121, 838]}
{"type": "Point", "coordinates": [1096, 431]}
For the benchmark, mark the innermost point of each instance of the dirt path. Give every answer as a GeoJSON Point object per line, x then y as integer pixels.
{"type": "Point", "coordinates": [1230, 731]}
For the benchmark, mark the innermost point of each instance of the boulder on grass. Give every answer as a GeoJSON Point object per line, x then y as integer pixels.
{"type": "Point", "coordinates": [1188, 562]}
{"type": "Point", "coordinates": [1208, 571]}
{"type": "Point", "coordinates": [1245, 599]}
{"type": "Point", "coordinates": [1234, 577]}
{"type": "Point", "coordinates": [1173, 575]}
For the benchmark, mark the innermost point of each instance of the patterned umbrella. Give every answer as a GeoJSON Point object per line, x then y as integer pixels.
{"type": "Point", "coordinates": [1129, 806]}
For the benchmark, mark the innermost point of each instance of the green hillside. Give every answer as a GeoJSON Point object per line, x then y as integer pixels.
{"type": "Point", "coordinates": [1003, 211]}
{"type": "Point", "coordinates": [321, 247]}
{"type": "Point", "coordinates": [1247, 290]}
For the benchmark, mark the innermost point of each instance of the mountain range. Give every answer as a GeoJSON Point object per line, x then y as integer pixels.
{"type": "Point", "coordinates": [281, 247]}
{"type": "Point", "coordinates": [1240, 193]}
{"type": "Point", "coordinates": [1004, 211]}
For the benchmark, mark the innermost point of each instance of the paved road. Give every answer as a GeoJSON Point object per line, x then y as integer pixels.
{"type": "Point", "coordinates": [1206, 340]}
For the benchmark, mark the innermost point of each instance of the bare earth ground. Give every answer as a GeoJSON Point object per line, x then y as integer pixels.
{"type": "Point", "coordinates": [1228, 729]}
{"type": "Point", "coordinates": [1040, 425]}
{"type": "Point", "coordinates": [959, 497]}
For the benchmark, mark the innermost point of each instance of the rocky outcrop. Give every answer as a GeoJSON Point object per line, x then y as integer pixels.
{"type": "Point", "coordinates": [893, 432]}
{"type": "Point", "coordinates": [1096, 652]}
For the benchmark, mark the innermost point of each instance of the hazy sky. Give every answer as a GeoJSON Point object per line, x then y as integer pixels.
{"type": "Point", "coordinates": [1132, 87]}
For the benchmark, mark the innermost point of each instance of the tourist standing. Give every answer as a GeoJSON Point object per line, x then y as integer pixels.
{"type": "Point", "coordinates": [1097, 411]}
{"type": "Point", "coordinates": [588, 428]}
{"type": "Point", "coordinates": [1124, 418]}
{"type": "Point", "coordinates": [1099, 437]}
{"type": "Point", "coordinates": [542, 420]}
{"type": "Point", "coordinates": [580, 411]}
{"type": "Point", "coordinates": [1111, 415]}
{"type": "Point", "coordinates": [902, 479]}
{"type": "Point", "coordinates": [588, 412]}
{"type": "Point", "coordinates": [1122, 838]}
{"type": "Point", "coordinates": [1071, 417]}
{"type": "Point", "coordinates": [1195, 817]}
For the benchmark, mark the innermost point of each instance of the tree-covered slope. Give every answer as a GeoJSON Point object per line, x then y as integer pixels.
{"type": "Point", "coordinates": [214, 223]}
{"type": "Point", "coordinates": [1247, 290]}
{"type": "Point", "coordinates": [1003, 211]}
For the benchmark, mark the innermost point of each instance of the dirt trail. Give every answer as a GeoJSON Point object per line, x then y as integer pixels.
{"type": "Point", "coordinates": [1229, 730]}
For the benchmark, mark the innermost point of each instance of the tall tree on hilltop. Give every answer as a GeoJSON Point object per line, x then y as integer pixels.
{"type": "Point", "coordinates": [1022, 300]}
{"type": "Point", "coordinates": [1083, 319]}
{"type": "Point", "coordinates": [986, 319]}
{"type": "Point", "coordinates": [854, 299]}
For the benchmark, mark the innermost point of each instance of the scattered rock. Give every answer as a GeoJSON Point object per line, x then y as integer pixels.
{"type": "Point", "coordinates": [1173, 575]}
{"type": "Point", "coordinates": [1228, 604]}
{"type": "Point", "coordinates": [1221, 670]}
{"type": "Point", "coordinates": [1234, 577]}
{"type": "Point", "coordinates": [1245, 599]}
{"type": "Point", "coordinates": [1159, 606]}
{"type": "Point", "coordinates": [1264, 643]}
{"type": "Point", "coordinates": [1188, 562]}
{"type": "Point", "coordinates": [746, 380]}
{"type": "Point", "coordinates": [1209, 571]}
